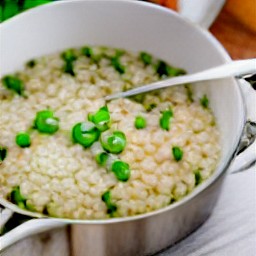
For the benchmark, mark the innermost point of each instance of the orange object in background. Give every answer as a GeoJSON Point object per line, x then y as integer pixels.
{"type": "Point", "coordinates": [244, 11]}
{"type": "Point", "coordinates": [168, 3]}
{"type": "Point", "coordinates": [171, 4]}
{"type": "Point", "coordinates": [235, 26]}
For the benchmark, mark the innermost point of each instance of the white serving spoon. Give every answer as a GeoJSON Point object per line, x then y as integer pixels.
{"type": "Point", "coordinates": [236, 69]}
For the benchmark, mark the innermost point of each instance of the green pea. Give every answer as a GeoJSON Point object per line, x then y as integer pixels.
{"type": "Point", "coordinates": [45, 122]}
{"type": "Point", "coordinates": [150, 107]}
{"type": "Point", "coordinates": [120, 52]}
{"type": "Point", "coordinates": [14, 83]}
{"type": "Point", "coordinates": [198, 177]}
{"type": "Point", "coordinates": [175, 71]}
{"type": "Point", "coordinates": [69, 68]}
{"type": "Point", "coordinates": [101, 118]}
{"type": "Point", "coordinates": [22, 205]}
{"type": "Point", "coordinates": [113, 142]}
{"type": "Point", "coordinates": [204, 101]}
{"type": "Point", "coordinates": [16, 196]}
{"type": "Point", "coordinates": [189, 93]}
{"type": "Point", "coordinates": [31, 63]}
{"type": "Point", "coordinates": [146, 58]}
{"type": "Point", "coordinates": [10, 8]}
{"type": "Point", "coordinates": [96, 58]}
{"type": "Point", "coordinates": [121, 170]}
{"type": "Point", "coordinates": [139, 98]}
{"type": "Point", "coordinates": [172, 200]}
{"type": "Point", "coordinates": [164, 120]}
{"type": "Point", "coordinates": [177, 153]}
{"type": "Point", "coordinates": [1, 19]}
{"type": "Point", "coordinates": [87, 51]}
{"type": "Point", "coordinates": [140, 122]}
{"type": "Point", "coordinates": [69, 57]}
{"type": "Point", "coordinates": [101, 158]}
{"type": "Point", "coordinates": [85, 134]}
{"type": "Point", "coordinates": [106, 198]}
{"type": "Point", "coordinates": [3, 153]}
{"type": "Point", "coordinates": [163, 69]}
{"type": "Point", "coordinates": [23, 139]}
{"type": "Point", "coordinates": [115, 62]}
{"type": "Point", "coordinates": [30, 3]}
{"type": "Point", "coordinates": [30, 207]}
{"type": "Point", "coordinates": [45, 210]}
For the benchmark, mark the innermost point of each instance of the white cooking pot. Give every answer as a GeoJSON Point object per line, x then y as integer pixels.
{"type": "Point", "coordinates": [135, 26]}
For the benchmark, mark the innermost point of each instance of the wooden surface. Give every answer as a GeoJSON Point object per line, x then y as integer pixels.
{"type": "Point", "coordinates": [235, 27]}
{"type": "Point", "coordinates": [240, 42]}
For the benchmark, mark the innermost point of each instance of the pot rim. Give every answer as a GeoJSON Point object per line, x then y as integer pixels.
{"type": "Point", "coordinates": [223, 166]}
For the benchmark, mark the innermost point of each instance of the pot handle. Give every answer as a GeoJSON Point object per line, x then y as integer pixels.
{"type": "Point", "coordinates": [246, 152]}
{"type": "Point", "coordinates": [28, 228]}
{"type": "Point", "coordinates": [246, 155]}
{"type": "Point", "coordinates": [204, 13]}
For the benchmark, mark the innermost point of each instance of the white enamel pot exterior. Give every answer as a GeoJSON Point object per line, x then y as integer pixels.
{"type": "Point", "coordinates": [134, 26]}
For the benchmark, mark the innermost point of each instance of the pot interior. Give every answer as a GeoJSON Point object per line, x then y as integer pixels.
{"type": "Point", "coordinates": [135, 26]}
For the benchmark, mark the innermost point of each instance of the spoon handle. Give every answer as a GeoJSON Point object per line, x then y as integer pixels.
{"type": "Point", "coordinates": [235, 68]}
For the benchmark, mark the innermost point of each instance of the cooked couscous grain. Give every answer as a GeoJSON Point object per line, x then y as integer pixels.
{"type": "Point", "coordinates": [126, 168]}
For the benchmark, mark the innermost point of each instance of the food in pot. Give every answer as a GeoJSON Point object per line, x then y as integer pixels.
{"type": "Point", "coordinates": [66, 152]}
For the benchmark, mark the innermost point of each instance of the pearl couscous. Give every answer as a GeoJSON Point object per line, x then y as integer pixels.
{"type": "Point", "coordinates": [66, 152]}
